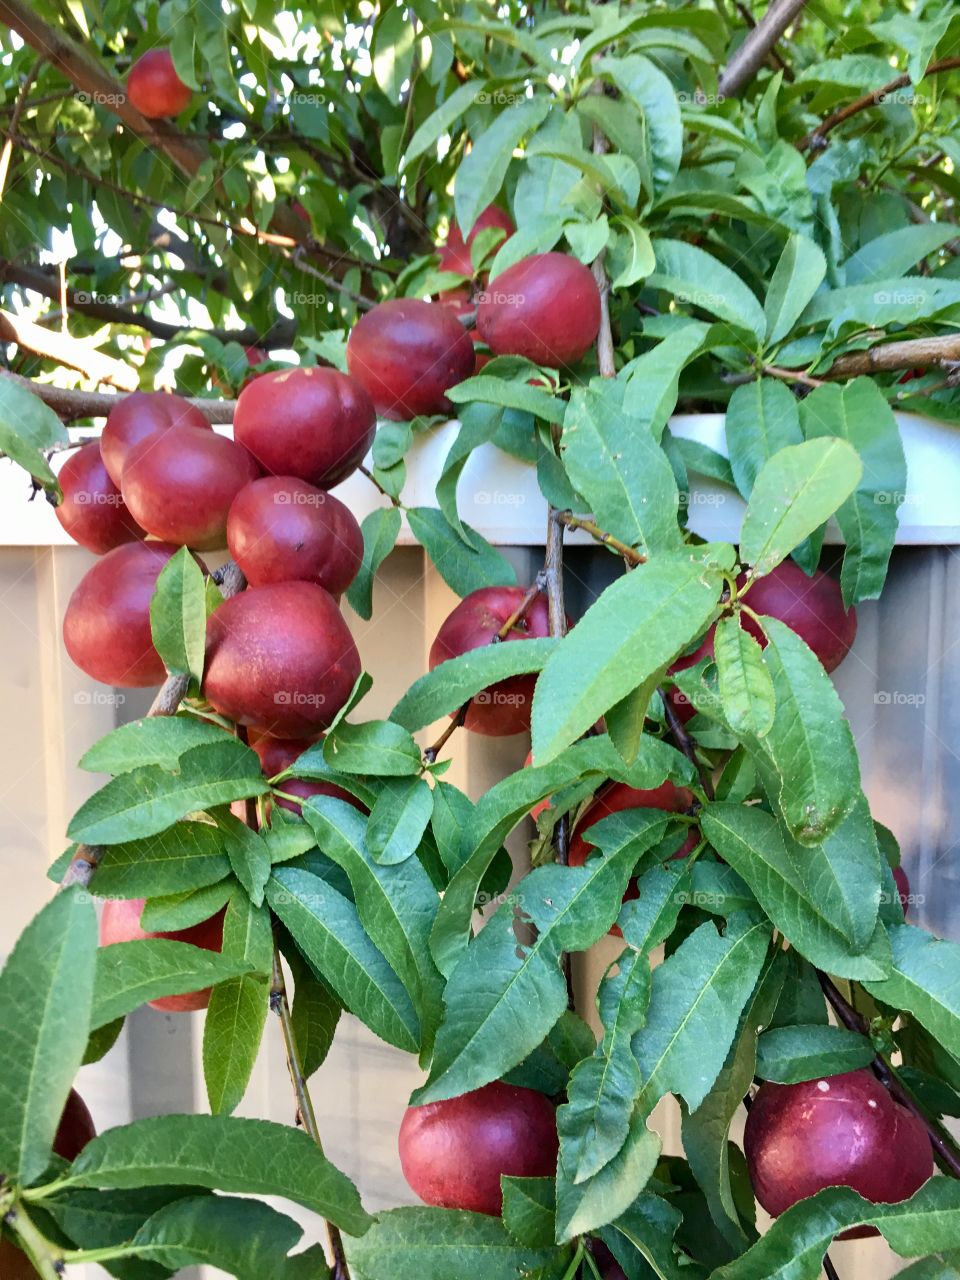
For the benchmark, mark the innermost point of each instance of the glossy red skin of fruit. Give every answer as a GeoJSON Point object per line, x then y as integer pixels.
{"type": "Point", "coordinates": [106, 628]}
{"type": "Point", "coordinates": [141, 414]}
{"type": "Point", "coordinates": [315, 424]}
{"type": "Point", "coordinates": [608, 1266]}
{"type": "Point", "coordinates": [281, 529]}
{"type": "Point", "coordinates": [181, 483]}
{"type": "Point", "coordinates": [120, 922]}
{"type": "Point", "coordinates": [280, 659]}
{"type": "Point", "coordinates": [455, 254]}
{"type": "Point", "coordinates": [812, 607]}
{"type": "Point", "coordinates": [505, 707]}
{"type": "Point", "coordinates": [407, 353]}
{"type": "Point", "coordinates": [903, 887]}
{"type": "Point", "coordinates": [75, 1130]}
{"type": "Point", "coordinates": [453, 1153]}
{"type": "Point", "coordinates": [154, 87]}
{"type": "Point", "coordinates": [842, 1130]}
{"type": "Point", "coordinates": [92, 511]}
{"type": "Point", "coordinates": [546, 308]}
{"type": "Point", "coordinates": [277, 754]}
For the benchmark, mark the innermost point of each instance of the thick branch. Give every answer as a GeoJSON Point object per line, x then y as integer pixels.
{"type": "Point", "coordinates": [66, 350]}
{"type": "Point", "coordinates": [890, 357]}
{"type": "Point", "coordinates": [71, 404]}
{"type": "Point", "coordinates": [817, 138]}
{"type": "Point", "coordinates": [757, 47]}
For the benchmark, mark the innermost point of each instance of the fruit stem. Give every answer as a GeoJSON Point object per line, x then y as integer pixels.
{"type": "Point", "coordinates": [45, 1258]}
{"type": "Point", "coordinates": [945, 1149]}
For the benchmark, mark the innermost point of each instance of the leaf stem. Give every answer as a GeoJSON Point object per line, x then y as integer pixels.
{"type": "Point", "coordinates": [46, 1258]}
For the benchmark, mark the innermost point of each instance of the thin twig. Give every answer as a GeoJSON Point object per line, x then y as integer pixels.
{"type": "Point", "coordinates": [817, 139]}
{"type": "Point", "coordinates": [15, 122]}
{"type": "Point", "coordinates": [590, 526]}
{"type": "Point", "coordinates": [944, 1146]}
{"type": "Point", "coordinates": [685, 743]}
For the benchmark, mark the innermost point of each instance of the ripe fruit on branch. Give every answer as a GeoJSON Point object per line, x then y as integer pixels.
{"type": "Point", "coordinates": [106, 628]}
{"type": "Point", "coordinates": [92, 510]}
{"type": "Point", "coordinates": [505, 707]}
{"type": "Point", "coordinates": [455, 254]}
{"type": "Point", "coordinates": [179, 485]}
{"type": "Point", "coordinates": [280, 659]}
{"type": "Point", "coordinates": [277, 754]}
{"type": "Point", "coordinates": [281, 529]}
{"type": "Point", "coordinates": [120, 922]}
{"type": "Point", "coordinates": [812, 607]}
{"type": "Point", "coordinates": [142, 414]}
{"type": "Point", "coordinates": [154, 87]}
{"type": "Point", "coordinates": [839, 1131]}
{"type": "Point", "coordinates": [453, 1153]}
{"type": "Point", "coordinates": [407, 353]}
{"type": "Point", "coordinates": [315, 424]}
{"type": "Point", "coordinates": [75, 1130]}
{"type": "Point", "coordinates": [546, 308]}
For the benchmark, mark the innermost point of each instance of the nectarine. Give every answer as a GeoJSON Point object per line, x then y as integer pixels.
{"type": "Point", "coordinates": [92, 510]}
{"type": "Point", "coordinates": [120, 922]}
{"type": "Point", "coordinates": [141, 414]}
{"type": "Point", "coordinates": [154, 87]}
{"type": "Point", "coordinates": [545, 307]}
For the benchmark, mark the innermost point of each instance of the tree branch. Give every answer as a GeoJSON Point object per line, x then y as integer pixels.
{"type": "Point", "coordinates": [891, 357]}
{"type": "Point", "coordinates": [12, 127]}
{"type": "Point", "coordinates": [589, 526]}
{"type": "Point", "coordinates": [70, 404]}
{"type": "Point", "coordinates": [817, 139]}
{"type": "Point", "coordinates": [66, 350]}
{"type": "Point", "coordinates": [757, 47]}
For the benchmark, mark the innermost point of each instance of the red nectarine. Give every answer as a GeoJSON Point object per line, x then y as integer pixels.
{"type": "Point", "coordinates": [546, 307]}
{"type": "Point", "coordinates": [92, 510]}
{"type": "Point", "coordinates": [120, 922]}
{"type": "Point", "coordinates": [154, 87]}
{"type": "Point", "coordinates": [141, 414]}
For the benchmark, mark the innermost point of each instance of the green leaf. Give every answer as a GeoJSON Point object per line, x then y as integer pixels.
{"type": "Point", "coordinates": [796, 278]}
{"type": "Point", "coordinates": [28, 426]}
{"type": "Point", "coordinates": [929, 1222]}
{"type": "Point", "coordinates": [315, 1015]}
{"type": "Point", "coordinates": [222, 1153]}
{"type": "Point", "coordinates": [178, 616]}
{"type": "Point", "coordinates": [587, 239]}
{"type": "Point", "coordinates": [762, 418]}
{"type": "Point", "coordinates": [378, 748]}
{"type": "Point", "coordinates": [491, 389]}
{"type": "Point", "coordinates": [176, 911]}
{"type": "Point", "coordinates": [463, 568]}
{"type": "Point", "coordinates": [919, 34]}
{"type": "Point", "coordinates": [790, 1055]}
{"type": "Point", "coordinates": [439, 121]}
{"type": "Point", "coordinates": [925, 981]}
{"type": "Point", "coordinates": [650, 1225]}
{"type": "Point", "coordinates": [706, 1131]}
{"type": "Point", "coordinates": [237, 1012]}
{"type": "Point", "coordinates": [631, 257]}
{"type": "Point", "coordinates": [128, 974]}
{"type": "Point", "coordinates": [505, 994]}
{"type": "Point", "coordinates": [640, 623]}
{"type": "Point", "coordinates": [619, 468]}
{"type": "Point", "coordinates": [697, 996]}
{"type": "Point", "coordinates": [46, 988]}
{"type": "Point", "coordinates": [436, 1244]}
{"type": "Point", "coordinates": [530, 1210]}
{"type": "Point", "coordinates": [609, 1193]}
{"type": "Point", "coordinates": [746, 686]}
{"type": "Point", "coordinates": [380, 529]}
{"type": "Point", "coordinates": [653, 379]}
{"type": "Point", "coordinates": [398, 820]}
{"type": "Point", "coordinates": [327, 929]}
{"type": "Point", "coordinates": [698, 279]}
{"type": "Point", "coordinates": [481, 174]}
{"type": "Point", "coordinates": [809, 742]}
{"type": "Point", "coordinates": [392, 49]}
{"type": "Point", "coordinates": [245, 1238]}
{"type": "Point", "coordinates": [188, 856]}
{"type": "Point", "coordinates": [160, 740]}
{"type": "Point", "coordinates": [895, 252]}
{"type": "Point", "coordinates": [479, 424]}
{"type": "Point", "coordinates": [396, 904]}
{"type": "Point", "coordinates": [452, 683]}
{"type": "Point", "coordinates": [750, 841]}
{"type": "Point", "coordinates": [859, 413]}
{"type": "Point", "coordinates": [644, 84]}
{"type": "Point", "coordinates": [249, 854]}
{"type": "Point", "coordinates": [794, 493]}
{"type": "Point", "coordinates": [150, 799]}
